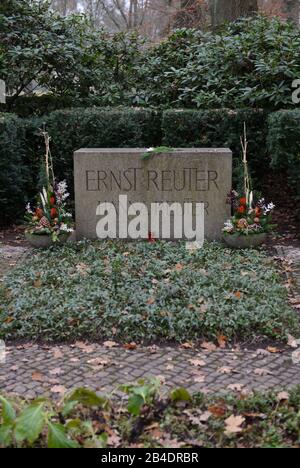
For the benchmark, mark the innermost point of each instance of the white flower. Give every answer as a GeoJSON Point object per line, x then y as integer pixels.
{"type": "Point", "coordinates": [270, 206]}
{"type": "Point", "coordinates": [61, 191]}
{"type": "Point", "coordinates": [228, 226]}
{"type": "Point", "coordinates": [28, 209]}
{"type": "Point", "coordinates": [150, 150]}
{"type": "Point", "coordinates": [65, 228]}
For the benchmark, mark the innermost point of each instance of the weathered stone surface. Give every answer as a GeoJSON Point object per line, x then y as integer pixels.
{"type": "Point", "coordinates": [184, 176]}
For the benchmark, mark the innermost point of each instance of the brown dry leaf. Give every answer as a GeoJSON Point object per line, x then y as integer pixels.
{"type": "Point", "coordinates": [262, 372]}
{"type": "Point", "coordinates": [151, 301]}
{"type": "Point", "coordinates": [293, 342]}
{"type": "Point", "coordinates": [37, 283]}
{"type": "Point", "coordinates": [238, 294]}
{"type": "Point", "coordinates": [208, 346]}
{"type": "Point", "coordinates": [224, 370]}
{"type": "Point", "coordinates": [114, 439]}
{"type": "Point", "coordinates": [37, 377]}
{"type": "Point", "coordinates": [187, 345]}
{"type": "Point", "coordinates": [197, 362]}
{"type": "Point", "coordinates": [179, 267]}
{"type": "Point", "coordinates": [84, 347]}
{"type": "Point", "coordinates": [59, 389]}
{"type": "Point", "coordinates": [233, 424]}
{"type": "Point", "coordinates": [110, 344]}
{"type": "Point", "coordinates": [274, 350]}
{"type": "Point", "coordinates": [82, 269]}
{"type": "Point", "coordinates": [217, 410]}
{"type": "Point", "coordinates": [57, 354]}
{"type": "Point", "coordinates": [222, 340]}
{"type": "Point", "coordinates": [199, 378]}
{"type": "Point", "coordinates": [130, 346]}
{"type": "Point", "coordinates": [99, 362]}
{"type": "Point", "coordinates": [283, 396]}
{"type": "Point", "coordinates": [153, 349]}
{"type": "Point", "coordinates": [14, 368]}
{"type": "Point", "coordinates": [169, 367]}
{"type": "Point", "coordinates": [197, 417]}
{"type": "Point", "coordinates": [236, 387]}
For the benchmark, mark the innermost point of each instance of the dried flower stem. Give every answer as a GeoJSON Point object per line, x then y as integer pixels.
{"type": "Point", "coordinates": [48, 158]}
{"type": "Point", "coordinates": [247, 181]}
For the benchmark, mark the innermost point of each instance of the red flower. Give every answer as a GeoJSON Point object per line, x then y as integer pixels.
{"type": "Point", "coordinates": [257, 212]}
{"type": "Point", "coordinates": [151, 238]}
{"type": "Point", "coordinates": [39, 213]}
{"type": "Point", "coordinates": [243, 201]}
{"type": "Point", "coordinates": [52, 201]}
{"type": "Point", "coordinates": [241, 209]}
{"type": "Point", "coordinates": [53, 213]}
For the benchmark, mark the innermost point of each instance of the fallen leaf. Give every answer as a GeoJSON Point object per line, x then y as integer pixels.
{"type": "Point", "coordinates": [197, 362]}
{"type": "Point", "coordinates": [114, 439]}
{"type": "Point", "coordinates": [262, 372]}
{"type": "Point", "coordinates": [274, 350]}
{"type": "Point", "coordinates": [208, 346]}
{"type": "Point", "coordinates": [179, 267]}
{"type": "Point", "coordinates": [236, 387]}
{"type": "Point", "coordinates": [37, 377]}
{"type": "Point", "coordinates": [283, 396]}
{"type": "Point", "coordinates": [82, 269]}
{"type": "Point", "coordinates": [187, 346]}
{"type": "Point", "coordinates": [293, 342]}
{"type": "Point", "coordinates": [224, 370]}
{"type": "Point", "coordinates": [110, 344]}
{"type": "Point", "coordinates": [217, 410]}
{"type": "Point", "coordinates": [151, 300]}
{"type": "Point", "coordinates": [238, 294]}
{"type": "Point", "coordinates": [222, 340]}
{"type": "Point", "coordinates": [99, 362]}
{"type": "Point", "coordinates": [86, 348]}
{"type": "Point", "coordinates": [57, 353]}
{"type": "Point", "coordinates": [199, 378]}
{"type": "Point", "coordinates": [130, 346]}
{"type": "Point", "coordinates": [169, 367]}
{"type": "Point", "coordinates": [233, 424]}
{"type": "Point", "coordinates": [37, 283]}
{"type": "Point", "coordinates": [59, 389]}
{"type": "Point", "coordinates": [153, 349]}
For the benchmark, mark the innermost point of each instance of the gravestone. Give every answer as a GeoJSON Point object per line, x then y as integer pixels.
{"type": "Point", "coordinates": [182, 176]}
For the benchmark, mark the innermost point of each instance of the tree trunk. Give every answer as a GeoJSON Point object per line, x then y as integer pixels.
{"type": "Point", "coordinates": [230, 10]}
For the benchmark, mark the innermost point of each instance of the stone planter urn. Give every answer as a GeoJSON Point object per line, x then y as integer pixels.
{"type": "Point", "coordinates": [44, 241]}
{"type": "Point", "coordinates": [245, 242]}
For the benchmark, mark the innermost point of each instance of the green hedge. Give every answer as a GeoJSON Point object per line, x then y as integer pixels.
{"type": "Point", "coordinates": [284, 144]}
{"type": "Point", "coordinates": [220, 128]}
{"type": "Point", "coordinates": [14, 170]}
{"type": "Point", "coordinates": [22, 149]}
{"type": "Point", "coordinates": [73, 129]}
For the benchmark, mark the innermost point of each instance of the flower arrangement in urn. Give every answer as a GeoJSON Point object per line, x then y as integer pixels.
{"type": "Point", "coordinates": [50, 221]}
{"type": "Point", "coordinates": [251, 221]}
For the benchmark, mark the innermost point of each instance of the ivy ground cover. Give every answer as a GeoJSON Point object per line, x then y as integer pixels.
{"type": "Point", "coordinates": [145, 292]}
